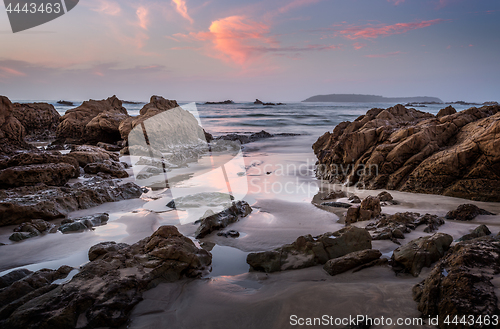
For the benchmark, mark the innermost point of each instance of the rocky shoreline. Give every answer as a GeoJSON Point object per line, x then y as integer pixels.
{"type": "Point", "coordinates": [451, 154]}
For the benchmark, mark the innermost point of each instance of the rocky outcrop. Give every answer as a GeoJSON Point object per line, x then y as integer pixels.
{"type": "Point", "coordinates": [113, 168]}
{"type": "Point", "coordinates": [86, 154]}
{"type": "Point", "coordinates": [93, 122]}
{"type": "Point", "coordinates": [39, 119]}
{"type": "Point", "coordinates": [308, 251]}
{"type": "Point", "coordinates": [461, 284]}
{"type": "Point", "coordinates": [369, 208]}
{"type": "Point", "coordinates": [156, 105]}
{"type": "Point", "coordinates": [12, 132]}
{"type": "Point", "coordinates": [223, 219]}
{"type": "Point", "coordinates": [408, 150]}
{"type": "Point", "coordinates": [22, 204]}
{"type": "Point", "coordinates": [352, 260]}
{"type": "Point", "coordinates": [466, 212]}
{"type": "Point", "coordinates": [106, 289]}
{"type": "Point", "coordinates": [421, 252]}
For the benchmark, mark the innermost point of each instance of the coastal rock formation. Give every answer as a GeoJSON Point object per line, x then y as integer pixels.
{"type": "Point", "coordinates": [352, 260]}
{"type": "Point", "coordinates": [30, 229]}
{"type": "Point", "coordinates": [308, 251]}
{"type": "Point", "coordinates": [113, 168]}
{"type": "Point", "coordinates": [421, 252]}
{"type": "Point", "coordinates": [39, 119]}
{"type": "Point", "coordinates": [466, 212]}
{"type": "Point", "coordinates": [106, 289]}
{"type": "Point", "coordinates": [156, 105]}
{"type": "Point", "coordinates": [92, 122]}
{"type": "Point", "coordinates": [408, 150]}
{"type": "Point", "coordinates": [461, 283]}
{"type": "Point", "coordinates": [83, 223]}
{"type": "Point", "coordinates": [223, 219]}
{"type": "Point", "coordinates": [53, 174]}
{"type": "Point", "coordinates": [86, 154]}
{"type": "Point", "coordinates": [22, 204]}
{"type": "Point", "coordinates": [369, 208]}
{"type": "Point", "coordinates": [478, 232]}
{"type": "Point", "coordinates": [12, 132]}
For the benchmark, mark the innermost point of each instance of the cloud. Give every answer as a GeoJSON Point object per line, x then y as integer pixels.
{"type": "Point", "coordinates": [180, 6]}
{"type": "Point", "coordinates": [359, 45]}
{"type": "Point", "coordinates": [372, 32]}
{"type": "Point", "coordinates": [142, 15]}
{"type": "Point", "coordinates": [296, 4]}
{"type": "Point", "coordinates": [106, 7]}
{"type": "Point", "coordinates": [395, 53]}
{"type": "Point", "coordinates": [396, 2]}
{"type": "Point", "coordinates": [6, 72]}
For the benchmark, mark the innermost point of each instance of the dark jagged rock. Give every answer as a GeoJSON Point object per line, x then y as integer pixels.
{"type": "Point", "coordinates": [337, 204]}
{"type": "Point", "coordinates": [449, 110]}
{"type": "Point", "coordinates": [32, 228]}
{"type": "Point", "coordinates": [480, 231]}
{"type": "Point", "coordinates": [460, 283]}
{"type": "Point", "coordinates": [223, 219]}
{"type": "Point", "coordinates": [229, 234]}
{"type": "Point", "coordinates": [403, 149]}
{"type": "Point", "coordinates": [369, 208]}
{"type": "Point", "coordinates": [352, 260]}
{"type": "Point", "coordinates": [113, 168]}
{"type": "Point", "coordinates": [93, 122]}
{"type": "Point", "coordinates": [83, 223]}
{"type": "Point", "coordinates": [391, 227]}
{"type": "Point", "coordinates": [466, 212]}
{"type": "Point", "coordinates": [12, 132]}
{"type": "Point", "coordinates": [39, 119]}
{"type": "Point", "coordinates": [42, 202]}
{"type": "Point", "coordinates": [421, 252]}
{"type": "Point", "coordinates": [13, 276]}
{"type": "Point", "coordinates": [66, 103]}
{"type": "Point", "coordinates": [107, 288]}
{"type": "Point", "coordinates": [220, 103]}
{"type": "Point", "coordinates": [258, 102]}
{"type": "Point", "coordinates": [385, 196]}
{"type": "Point", "coordinates": [53, 174]}
{"type": "Point", "coordinates": [334, 195]}
{"type": "Point", "coordinates": [308, 251]}
{"type": "Point", "coordinates": [31, 158]}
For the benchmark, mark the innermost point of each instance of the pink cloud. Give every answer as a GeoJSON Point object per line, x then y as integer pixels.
{"type": "Point", "coordinates": [359, 45]}
{"type": "Point", "coordinates": [395, 53]}
{"type": "Point", "coordinates": [11, 72]}
{"type": "Point", "coordinates": [180, 6]}
{"type": "Point", "coordinates": [296, 4]}
{"type": "Point", "coordinates": [106, 7]}
{"type": "Point", "coordinates": [396, 2]}
{"type": "Point", "coordinates": [367, 32]}
{"type": "Point", "coordinates": [143, 16]}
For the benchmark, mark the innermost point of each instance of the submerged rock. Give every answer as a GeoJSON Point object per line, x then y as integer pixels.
{"type": "Point", "coordinates": [466, 212]}
{"type": "Point", "coordinates": [83, 223]}
{"type": "Point", "coordinates": [404, 149]}
{"type": "Point", "coordinates": [222, 219]}
{"type": "Point", "coordinates": [42, 202]}
{"type": "Point", "coordinates": [421, 252]}
{"type": "Point", "coordinates": [352, 260]}
{"type": "Point", "coordinates": [107, 288]}
{"type": "Point", "coordinates": [461, 283]}
{"type": "Point", "coordinates": [308, 251]}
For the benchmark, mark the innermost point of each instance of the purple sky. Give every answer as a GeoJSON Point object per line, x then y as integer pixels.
{"type": "Point", "coordinates": [242, 50]}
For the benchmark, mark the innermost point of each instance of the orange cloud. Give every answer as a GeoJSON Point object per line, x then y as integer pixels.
{"type": "Point", "coordinates": [367, 32]}
{"type": "Point", "coordinates": [180, 6]}
{"type": "Point", "coordinates": [142, 15]}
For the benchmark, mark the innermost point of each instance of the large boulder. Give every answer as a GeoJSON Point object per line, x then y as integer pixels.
{"type": "Point", "coordinates": [12, 132]}
{"type": "Point", "coordinates": [308, 251]}
{"type": "Point", "coordinates": [421, 252]}
{"type": "Point", "coordinates": [22, 204]}
{"type": "Point", "coordinates": [408, 150]}
{"type": "Point", "coordinates": [107, 288]}
{"type": "Point", "coordinates": [93, 122]}
{"type": "Point", "coordinates": [461, 284]}
{"type": "Point", "coordinates": [39, 119]}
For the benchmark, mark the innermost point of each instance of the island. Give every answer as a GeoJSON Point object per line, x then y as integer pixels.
{"type": "Point", "coordinates": [359, 98]}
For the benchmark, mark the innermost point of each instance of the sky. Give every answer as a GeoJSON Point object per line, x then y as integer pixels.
{"type": "Point", "coordinates": [274, 50]}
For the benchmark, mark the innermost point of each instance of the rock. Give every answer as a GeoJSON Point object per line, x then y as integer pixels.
{"type": "Point", "coordinates": [404, 149]}
{"type": "Point", "coordinates": [107, 288]}
{"type": "Point", "coordinates": [466, 212]}
{"type": "Point", "coordinates": [19, 236]}
{"type": "Point", "coordinates": [66, 103]}
{"type": "Point", "coordinates": [93, 122]}
{"type": "Point", "coordinates": [41, 202]}
{"type": "Point", "coordinates": [421, 252]}
{"type": "Point", "coordinates": [229, 234]}
{"type": "Point", "coordinates": [113, 168]}
{"type": "Point", "coordinates": [156, 105]}
{"type": "Point", "coordinates": [53, 174]}
{"type": "Point", "coordinates": [478, 232]}
{"type": "Point", "coordinates": [12, 132]}
{"type": "Point", "coordinates": [385, 196]}
{"type": "Point", "coordinates": [354, 199]}
{"type": "Point", "coordinates": [40, 120]}
{"type": "Point", "coordinates": [369, 208]}
{"type": "Point", "coordinates": [31, 158]}
{"type": "Point", "coordinates": [245, 139]}
{"type": "Point", "coordinates": [308, 251]}
{"type": "Point", "coordinates": [141, 151]}
{"type": "Point", "coordinates": [32, 228]}
{"type": "Point", "coordinates": [337, 204]}
{"type": "Point", "coordinates": [13, 276]}
{"type": "Point", "coordinates": [220, 103]}
{"type": "Point", "coordinates": [86, 154]}
{"type": "Point", "coordinates": [449, 110]}
{"type": "Point", "coordinates": [334, 195]}
{"type": "Point", "coordinates": [84, 223]}
{"type": "Point", "coordinates": [258, 102]}
{"type": "Point", "coordinates": [348, 262]}
{"type": "Point", "coordinates": [461, 283]}
{"type": "Point", "coordinates": [109, 147]}
{"type": "Point", "coordinates": [223, 219]}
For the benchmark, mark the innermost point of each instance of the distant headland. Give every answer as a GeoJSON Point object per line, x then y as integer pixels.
{"type": "Point", "coordinates": [358, 98]}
